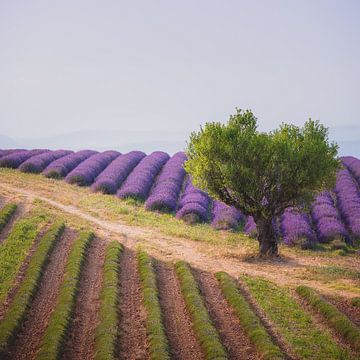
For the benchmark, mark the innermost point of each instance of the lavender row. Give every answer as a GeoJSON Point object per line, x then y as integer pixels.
{"type": "Point", "coordinates": [194, 204]}
{"type": "Point", "coordinates": [327, 219]}
{"type": "Point", "coordinates": [353, 164]}
{"type": "Point", "coordinates": [6, 152]}
{"type": "Point", "coordinates": [38, 163]}
{"type": "Point", "coordinates": [61, 167]}
{"type": "Point", "coordinates": [115, 174]}
{"type": "Point", "coordinates": [16, 158]}
{"type": "Point", "coordinates": [140, 181]}
{"type": "Point", "coordinates": [86, 172]}
{"type": "Point", "coordinates": [225, 217]}
{"type": "Point", "coordinates": [348, 201]}
{"type": "Point", "coordinates": [165, 193]}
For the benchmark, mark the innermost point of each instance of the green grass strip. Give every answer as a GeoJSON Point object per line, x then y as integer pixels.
{"type": "Point", "coordinates": [204, 329]}
{"type": "Point", "coordinates": [159, 348]}
{"type": "Point", "coordinates": [355, 302]}
{"type": "Point", "coordinates": [14, 250]}
{"type": "Point", "coordinates": [294, 324]}
{"type": "Point", "coordinates": [249, 320]}
{"type": "Point", "coordinates": [5, 214]}
{"type": "Point", "coordinates": [53, 338]}
{"type": "Point", "coordinates": [336, 318]}
{"type": "Point", "coordinates": [107, 331]}
{"type": "Point", "coordinates": [28, 287]}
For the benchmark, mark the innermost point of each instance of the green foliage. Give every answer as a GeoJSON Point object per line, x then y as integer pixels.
{"type": "Point", "coordinates": [249, 321]}
{"type": "Point", "coordinates": [159, 349]}
{"type": "Point", "coordinates": [60, 318]}
{"type": "Point", "coordinates": [336, 318]}
{"type": "Point", "coordinates": [15, 249]}
{"type": "Point", "coordinates": [262, 173]}
{"type": "Point", "coordinates": [294, 324]}
{"type": "Point", "coordinates": [355, 302]}
{"type": "Point", "coordinates": [204, 329]}
{"type": "Point", "coordinates": [5, 214]}
{"type": "Point", "coordinates": [107, 330]}
{"type": "Point", "coordinates": [28, 287]}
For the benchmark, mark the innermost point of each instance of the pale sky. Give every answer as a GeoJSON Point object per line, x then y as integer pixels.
{"type": "Point", "coordinates": [156, 65]}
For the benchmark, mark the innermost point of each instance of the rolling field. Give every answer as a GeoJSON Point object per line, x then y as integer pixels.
{"type": "Point", "coordinates": [91, 276]}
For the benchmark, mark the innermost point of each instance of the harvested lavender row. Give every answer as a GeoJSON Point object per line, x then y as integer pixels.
{"type": "Point", "coordinates": [353, 164]}
{"type": "Point", "coordinates": [225, 217]}
{"type": "Point", "coordinates": [165, 193]}
{"type": "Point", "coordinates": [115, 174]}
{"type": "Point", "coordinates": [295, 227]}
{"type": "Point", "coordinates": [140, 181]}
{"type": "Point", "coordinates": [250, 227]}
{"type": "Point", "coordinates": [194, 204]}
{"type": "Point", "coordinates": [327, 220]}
{"type": "Point", "coordinates": [61, 167]}
{"type": "Point", "coordinates": [85, 173]}
{"type": "Point", "coordinates": [348, 201]}
{"type": "Point", "coordinates": [38, 163]}
{"type": "Point", "coordinates": [15, 159]}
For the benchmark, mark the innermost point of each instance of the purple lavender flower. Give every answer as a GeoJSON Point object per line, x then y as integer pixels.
{"type": "Point", "coordinates": [37, 163]}
{"type": "Point", "coordinates": [353, 164]}
{"type": "Point", "coordinates": [166, 190]}
{"type": "Point", "coordinates": [250, 227]}
{"type": "Point", "coordinates": [6, 152]}
{"type": "Point", "coordinates": [61, 167]}
{"type": "Point", "coordinates": [16, 158]}
{"type": "Point", "coordinates": [140, 181]}
{"type": "Point", "coordinates": [85, 173]}
{"type": "Point", "coordinates": [225, 217]}
{"type": "Point", "coordinates": [115, 174]}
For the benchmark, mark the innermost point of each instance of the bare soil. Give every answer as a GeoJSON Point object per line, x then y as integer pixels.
{"type": "Point", "coordinates": [28, 339]}
{"type": "Point", "coordinates": [344, 305]}
{"type": "Point", "coordinates": [132, 342]}
{"type": "Point", "coordinates": [177, 321]}
{"type": "Point", "coordinates": [224, 319]}
{"type": "Point", "coordinates": [81, 335]}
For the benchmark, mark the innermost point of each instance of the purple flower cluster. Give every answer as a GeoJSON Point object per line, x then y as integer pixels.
{"type": "Point", "coordinates": [194, 204]}
{"type": "Point", "coordinates": [16, 158]}
{"type": "Point", "coordinates": [295, 227]}
{"type": "Point", "coordinates": [165, 193]}
{"type": "Point", "coordinates": [115, 174]}
{"type": "Point", "coordinates": [86, 172]}
{"type": "Point", "coordinates": [8, 152]}
{"type": "Point", "coordinates": [225, 217]}
{"type": "Point", "coordinates": [61, 167]}
{"type": "Point", "coordinates": [353, 164]}
{"type": "Point", "coordinates": [327, 220]}
{"type": "Point", "coordinates": [140, 181]}
{"type": "Point", "coordinates": [348, 201]}
{"type": "Point", "coordinates": [38, 163]}
{"type": "Point", "coordinates": [250, 227]}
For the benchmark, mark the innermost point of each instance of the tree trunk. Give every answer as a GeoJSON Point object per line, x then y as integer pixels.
{"type": "Point", "coordinates": [268, 246]}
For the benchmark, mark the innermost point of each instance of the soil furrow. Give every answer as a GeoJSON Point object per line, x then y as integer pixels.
{"type": "Point", "coordinates": [133, 342]}
{"type": "Point", "coordinates": [224, 318]}
{"type": "Point", "coordinates": [28, 339]}
{"type": "Point", "coordinates": [80, 340]}
{"type": "Point", "coordinates": [177, 321]}
{"type": "Point", "coordinates": [19, 212]}
{"type": "Point", "coordinates": [344, 305]}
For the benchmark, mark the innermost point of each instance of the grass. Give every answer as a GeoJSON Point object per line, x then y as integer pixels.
{"type": "Point", "coordinates": [5, 214]}
{"type": "Point", "coordinates": [330, 273]}
{"type": "Point", "coordinates": [22, 300]}
{"type": "Point", "coordinates": [159, 348]}
{"type": "Point", "coordinates": [54, 335]}
{"type": "Point", "coordinates": [15, 249]}
{"type": "Point", "coordinates": [249, 320]}
{"type": "Point", "coordinates": [204, 329]}
{"type": "Point", "coordinates": [107, 330]}
{"type": "Point", "coordinates": [339, 321]}
{"type": "Point", "coordinates": [294, 324]}
{"type": "Point", "coordinates": [355, 301]}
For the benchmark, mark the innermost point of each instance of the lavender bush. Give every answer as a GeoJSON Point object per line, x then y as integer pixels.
{"type": "Point", "coordinates": [225, 217]}
{"type": "Point", "coordinates": [250, 227]}
{"type": "Point", "coordinates": [37, 163]}
{"type": "Point", "coordinates": [16, 158]}
{"type": "Point", "coordinates": [115, 174]}
{"type": "Point", "coordinates": [166, 190]}
{"type": "Point", "coordinates": [61, 167]}
{"type": "Point", "coordinates": [140, 181]}
{"type": "Point", "coordinates": [6, 152]}
{"type": "Point", "coordinates": [85, 173]}
{"type": "Point", "coordinates": [353, 164]}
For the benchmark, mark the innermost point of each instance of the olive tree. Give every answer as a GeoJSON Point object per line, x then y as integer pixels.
{"type": "Point", "coordinates": [259, 173]}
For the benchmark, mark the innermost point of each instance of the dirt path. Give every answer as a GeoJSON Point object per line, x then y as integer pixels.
{"type": "Point", "coordinates": [226, 322]}
{"type": "Point", "coordinates": [177, 322]}
{"type": "Point", "coordinates": [132, 328]}
{"type": "Point", "coordinates": [80, 341]}
{"type": "Point", "coordinates": [27, 341]}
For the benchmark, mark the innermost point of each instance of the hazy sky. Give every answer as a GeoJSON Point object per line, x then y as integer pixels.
{"type": "Point", "coordinates": [152, 65]}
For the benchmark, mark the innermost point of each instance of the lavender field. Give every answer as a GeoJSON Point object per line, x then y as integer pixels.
{"type": "Point", "coordinates": [161, 183]}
